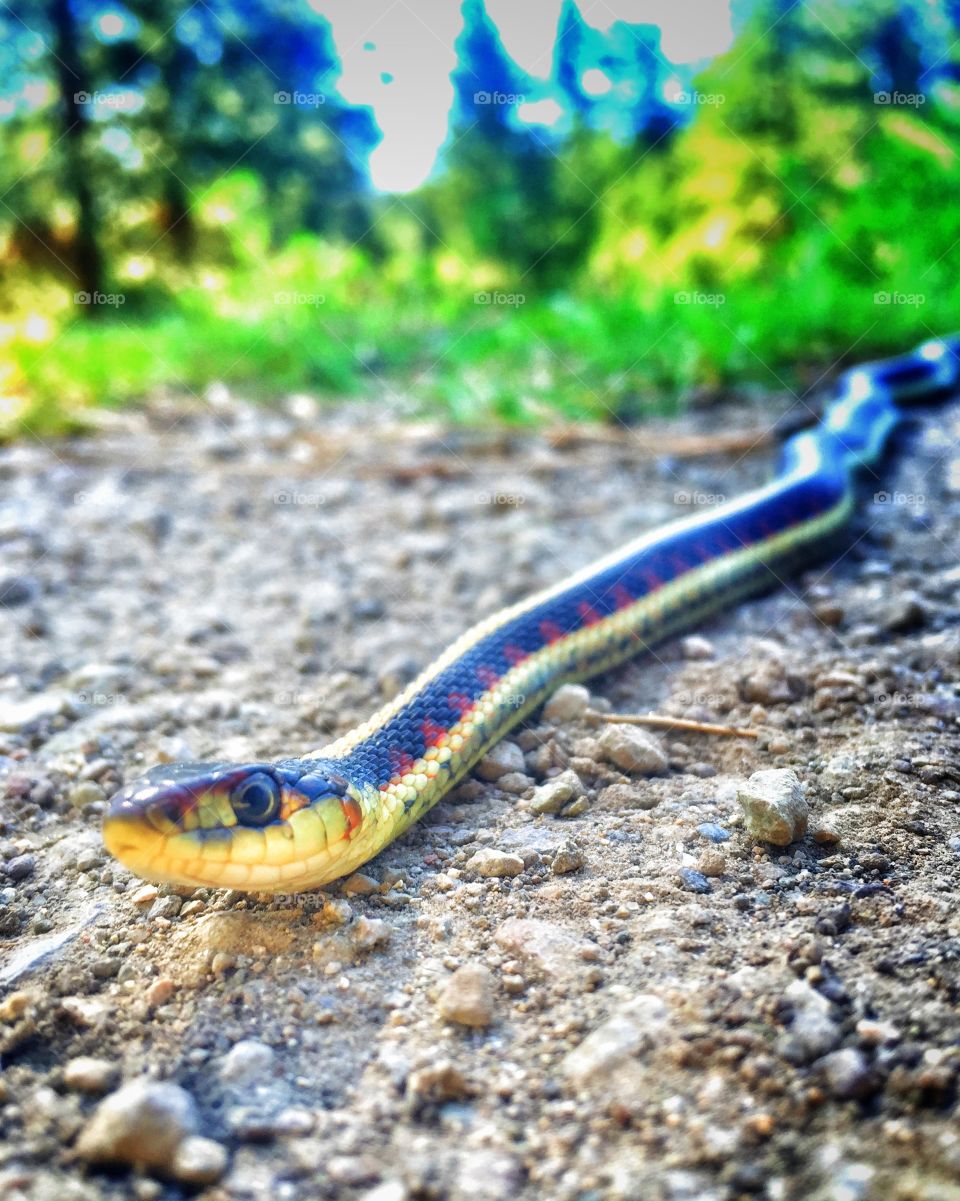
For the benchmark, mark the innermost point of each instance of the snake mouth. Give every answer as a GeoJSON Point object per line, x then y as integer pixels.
{"type": "Point", "coordinates": [133, 841]}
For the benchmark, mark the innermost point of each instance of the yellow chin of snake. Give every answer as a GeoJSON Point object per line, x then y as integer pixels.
{"type": "Point", "coordinates": [311, 847]}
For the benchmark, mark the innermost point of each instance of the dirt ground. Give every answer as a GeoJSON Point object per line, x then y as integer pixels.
{"type": "Point", "coordinates": [664, 1008]}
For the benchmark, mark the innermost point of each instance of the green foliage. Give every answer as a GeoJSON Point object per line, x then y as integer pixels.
{"type": "Point", "coordinates": [792, 224]}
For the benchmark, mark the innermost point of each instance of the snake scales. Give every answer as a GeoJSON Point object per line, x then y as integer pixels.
{"type": "Point", "coordinates": [298, 823]}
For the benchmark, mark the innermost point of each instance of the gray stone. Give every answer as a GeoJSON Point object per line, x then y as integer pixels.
{"type": "Point", "coordinates": [813, 1032]}
{"type": "Point", "coordinates": [20, 867]}
{"type": "Point", "coordinates": [499, 761]}
{"type": "Point", "coordinates": [17, 590]}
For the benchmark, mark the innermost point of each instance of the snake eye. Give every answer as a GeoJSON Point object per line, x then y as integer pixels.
{"type": "Point", "coordinates": [256, 799]}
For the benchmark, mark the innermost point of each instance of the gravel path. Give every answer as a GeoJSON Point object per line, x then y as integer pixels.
{"type": "Point", "coordinates": [585, 975]}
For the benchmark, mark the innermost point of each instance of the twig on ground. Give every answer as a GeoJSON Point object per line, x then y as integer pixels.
{"type": "Point", "coordinates": [660, 721]}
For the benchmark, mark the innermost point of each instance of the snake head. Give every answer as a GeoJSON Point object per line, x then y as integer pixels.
{"type": "Point", "coordinates": [246, 826]}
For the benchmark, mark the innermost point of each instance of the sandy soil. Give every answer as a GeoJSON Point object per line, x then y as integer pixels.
{"type": "Point", "coordinates": [663, 1007]}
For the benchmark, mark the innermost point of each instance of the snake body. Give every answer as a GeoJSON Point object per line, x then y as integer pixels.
{"type": "Point", "coordinates": [298, 823]}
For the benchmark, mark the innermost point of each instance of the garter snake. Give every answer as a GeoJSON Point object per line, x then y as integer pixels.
{"type": "Point", "coordinates": [298, 823]}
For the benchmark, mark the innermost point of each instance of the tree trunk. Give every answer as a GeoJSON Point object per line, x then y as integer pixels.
{"type": "Point", "coordinates": [88, 261]}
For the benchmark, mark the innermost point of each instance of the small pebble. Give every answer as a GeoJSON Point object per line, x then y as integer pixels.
{"type": "Point", "coordinates": [774, 807]}
{"type": "Point", "coordinates": [824, 832]}
{"type": "Point", "coordinates": [143, 1124]}
{"type": "Point", "coordinates": [389, 1190]}
{"type": "Point", "coordinates": [634, 1028]}
{"type": "Point", "coordinates": [166, 907]}
{"type": "Point", "coordinates": [696, 647]}
{"type": "Point", "coordinates": [693, 881]}
{"type": "Point", "coordinates": [491, 863]}
{"type": "Point", "coordinates": [467, 997]}
{"type": "Point", "coordinates": [566, 859]}
{"type": "Point", "coordinates": [848, 1075]}
{"type": "Point", "coordinates": [18, 715]}
{"type": "Point", "coordinates": [813, 1032]}
{"type": "Point", "coordinates": [714, 832]}
{"type": "Point", "coordinates": [632, 750]}
{"type": "Point", "coordinates": [246, 1061]}
{"type": "Point", "coordinates": [552, 796]}
{"type": "Point", "coordinates": [366, 933]}
{"type": "Point", "coordinates": [17, 590]}
{"type": "Point", "coordinates": [628, 796]}
{"type": "Point", "coordinates": [160, 991]}
{"type": "Point", "coordinates": [86, 793]}
{"type": "Point", "coordinates": [768, 683]}
{"type": "Point", "coordinates": [712, 863]}
{"type": "Point", "coordinates": [514, 782]}
{"type": "Point", "coordinates": [85, 1074]}
{"type": "Point", "coordinates": [199, 1161]}
{"type": "Point", "coordinates": [359, 885]}
{"type": "Point", "coordinates": [440, 1080]}
{"type": "Point", "coordinates": [499, 761]}
{"type": "Point", "coordinates": [568, 703]}
{"type": "Point", "coordinates": [20, 867]}
{"type": "Point", "coordinates": [336, 911]}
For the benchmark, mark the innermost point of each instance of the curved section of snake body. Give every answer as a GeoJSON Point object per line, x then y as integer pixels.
{"type": "Point", "coordinates": [299, 823]}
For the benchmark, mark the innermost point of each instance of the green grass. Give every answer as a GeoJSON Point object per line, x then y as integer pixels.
{"type": "Point", "coordinates": [573, 358]}
{"type": "Point", "coordinates": [582, 355]}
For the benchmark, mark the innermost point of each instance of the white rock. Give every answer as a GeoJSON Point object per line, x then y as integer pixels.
{"type": "Point", "coordinates": [246, 1061]}
{"type": "Point", "coordinates": [487, 1175]}
{"type": "Point", "coordinates": [568, 703]}
{"type": "Point", "coordinates": [848, 1074]}
{"type": "Point", "coordinates": [696, 647]}
{"type": "Point", "coordinates": [774, 807]}
{"type": "Point", "coordinates": [389, 1190]}
{"type": "Point", "coordinates": [16, 715]}
{"type": "Point", "coordinates": [632, 750]}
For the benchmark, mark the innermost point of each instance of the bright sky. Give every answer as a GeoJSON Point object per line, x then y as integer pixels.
{"type": "Point", "coordinates": [410, 43]}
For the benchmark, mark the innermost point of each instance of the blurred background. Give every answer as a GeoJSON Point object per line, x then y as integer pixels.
{"type": "Point", "coordinates": [511, 211]}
